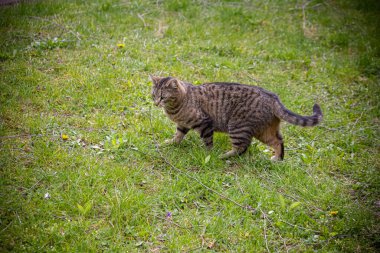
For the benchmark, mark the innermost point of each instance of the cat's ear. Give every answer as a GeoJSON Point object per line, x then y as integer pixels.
{"type": "Point", "coordinates": [173, 83]}
{"type": "Point", "coordinates": [176, 84]}
{"type": "Point", "coordinates": [155, 79]}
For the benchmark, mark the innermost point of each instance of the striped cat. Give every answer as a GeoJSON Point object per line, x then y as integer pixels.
{"type": "Point", "coordinates": [242, 111]}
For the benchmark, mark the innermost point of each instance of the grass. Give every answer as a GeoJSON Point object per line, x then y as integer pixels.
{"type": "Point", "coordinates": [79, 167]}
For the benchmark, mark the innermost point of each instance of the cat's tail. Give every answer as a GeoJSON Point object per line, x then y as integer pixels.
{"type": "Point", "coordinates": [295, 119]}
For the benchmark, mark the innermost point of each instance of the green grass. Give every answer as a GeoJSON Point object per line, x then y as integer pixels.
{"type": "Point", "coordinates": [106, 188]}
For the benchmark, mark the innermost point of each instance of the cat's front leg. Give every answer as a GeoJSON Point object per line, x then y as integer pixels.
{"type": "Point", "coordinates": [208, 141]}
{"type": "Point", "coordinates": [179, 135]}
{"type": "Point", "coordinates": [206, 131]}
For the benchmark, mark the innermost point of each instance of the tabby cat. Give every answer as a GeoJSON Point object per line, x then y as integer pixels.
{"type": "Point", "coordinates": [243, 111]}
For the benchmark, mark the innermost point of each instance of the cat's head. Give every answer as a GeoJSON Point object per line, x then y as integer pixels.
{"type": "Point", "coordinates": [167, 91]}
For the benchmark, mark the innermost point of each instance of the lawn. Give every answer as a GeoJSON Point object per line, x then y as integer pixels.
{"type": "Point", "coordinates": [81, 168]}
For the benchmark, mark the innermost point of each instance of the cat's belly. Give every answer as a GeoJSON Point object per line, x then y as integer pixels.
{"type": "Point", "coordinates": [220, 127]}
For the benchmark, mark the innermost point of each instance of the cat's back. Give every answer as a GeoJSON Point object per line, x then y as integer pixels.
{"type": "Point", "coordinates": [229, 94]}
{"type": "Point", "coordinates": [236, 89]}
{"type": "Point", "coordinates": [231, 102]}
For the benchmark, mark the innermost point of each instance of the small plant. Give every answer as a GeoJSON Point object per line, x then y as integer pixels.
{"type": "Point", "coordinates": [85, 209]}
{"type": "Point", "coordinates": [50, 44]}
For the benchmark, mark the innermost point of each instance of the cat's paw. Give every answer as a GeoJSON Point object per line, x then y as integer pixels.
{"type": "Point", "coordinates": [275, 159]}
{"type": "Point", "coordinates": [223, 157]}
{"type": "Point", "coordinates": [168, 142]}
{"type": "Point", "coordinates": [171, 142]}
{"type": "Point", "coordinates": [227, 155]}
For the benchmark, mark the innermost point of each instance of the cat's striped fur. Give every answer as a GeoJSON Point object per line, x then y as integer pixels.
{"type": "Point", "coordinates": [242, 111]}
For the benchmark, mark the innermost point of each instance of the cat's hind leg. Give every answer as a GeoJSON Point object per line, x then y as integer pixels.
{"type": "Point", "coordinates": [179, 135]}
{"type": "Point", "coordinates": [241, 139]}
{"type": "Point", "coordinates": [277, 144]}
{"type": "Point", "coordinates": [272, 137]}
{"type": "Point", "coordinates": [233, 152]}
